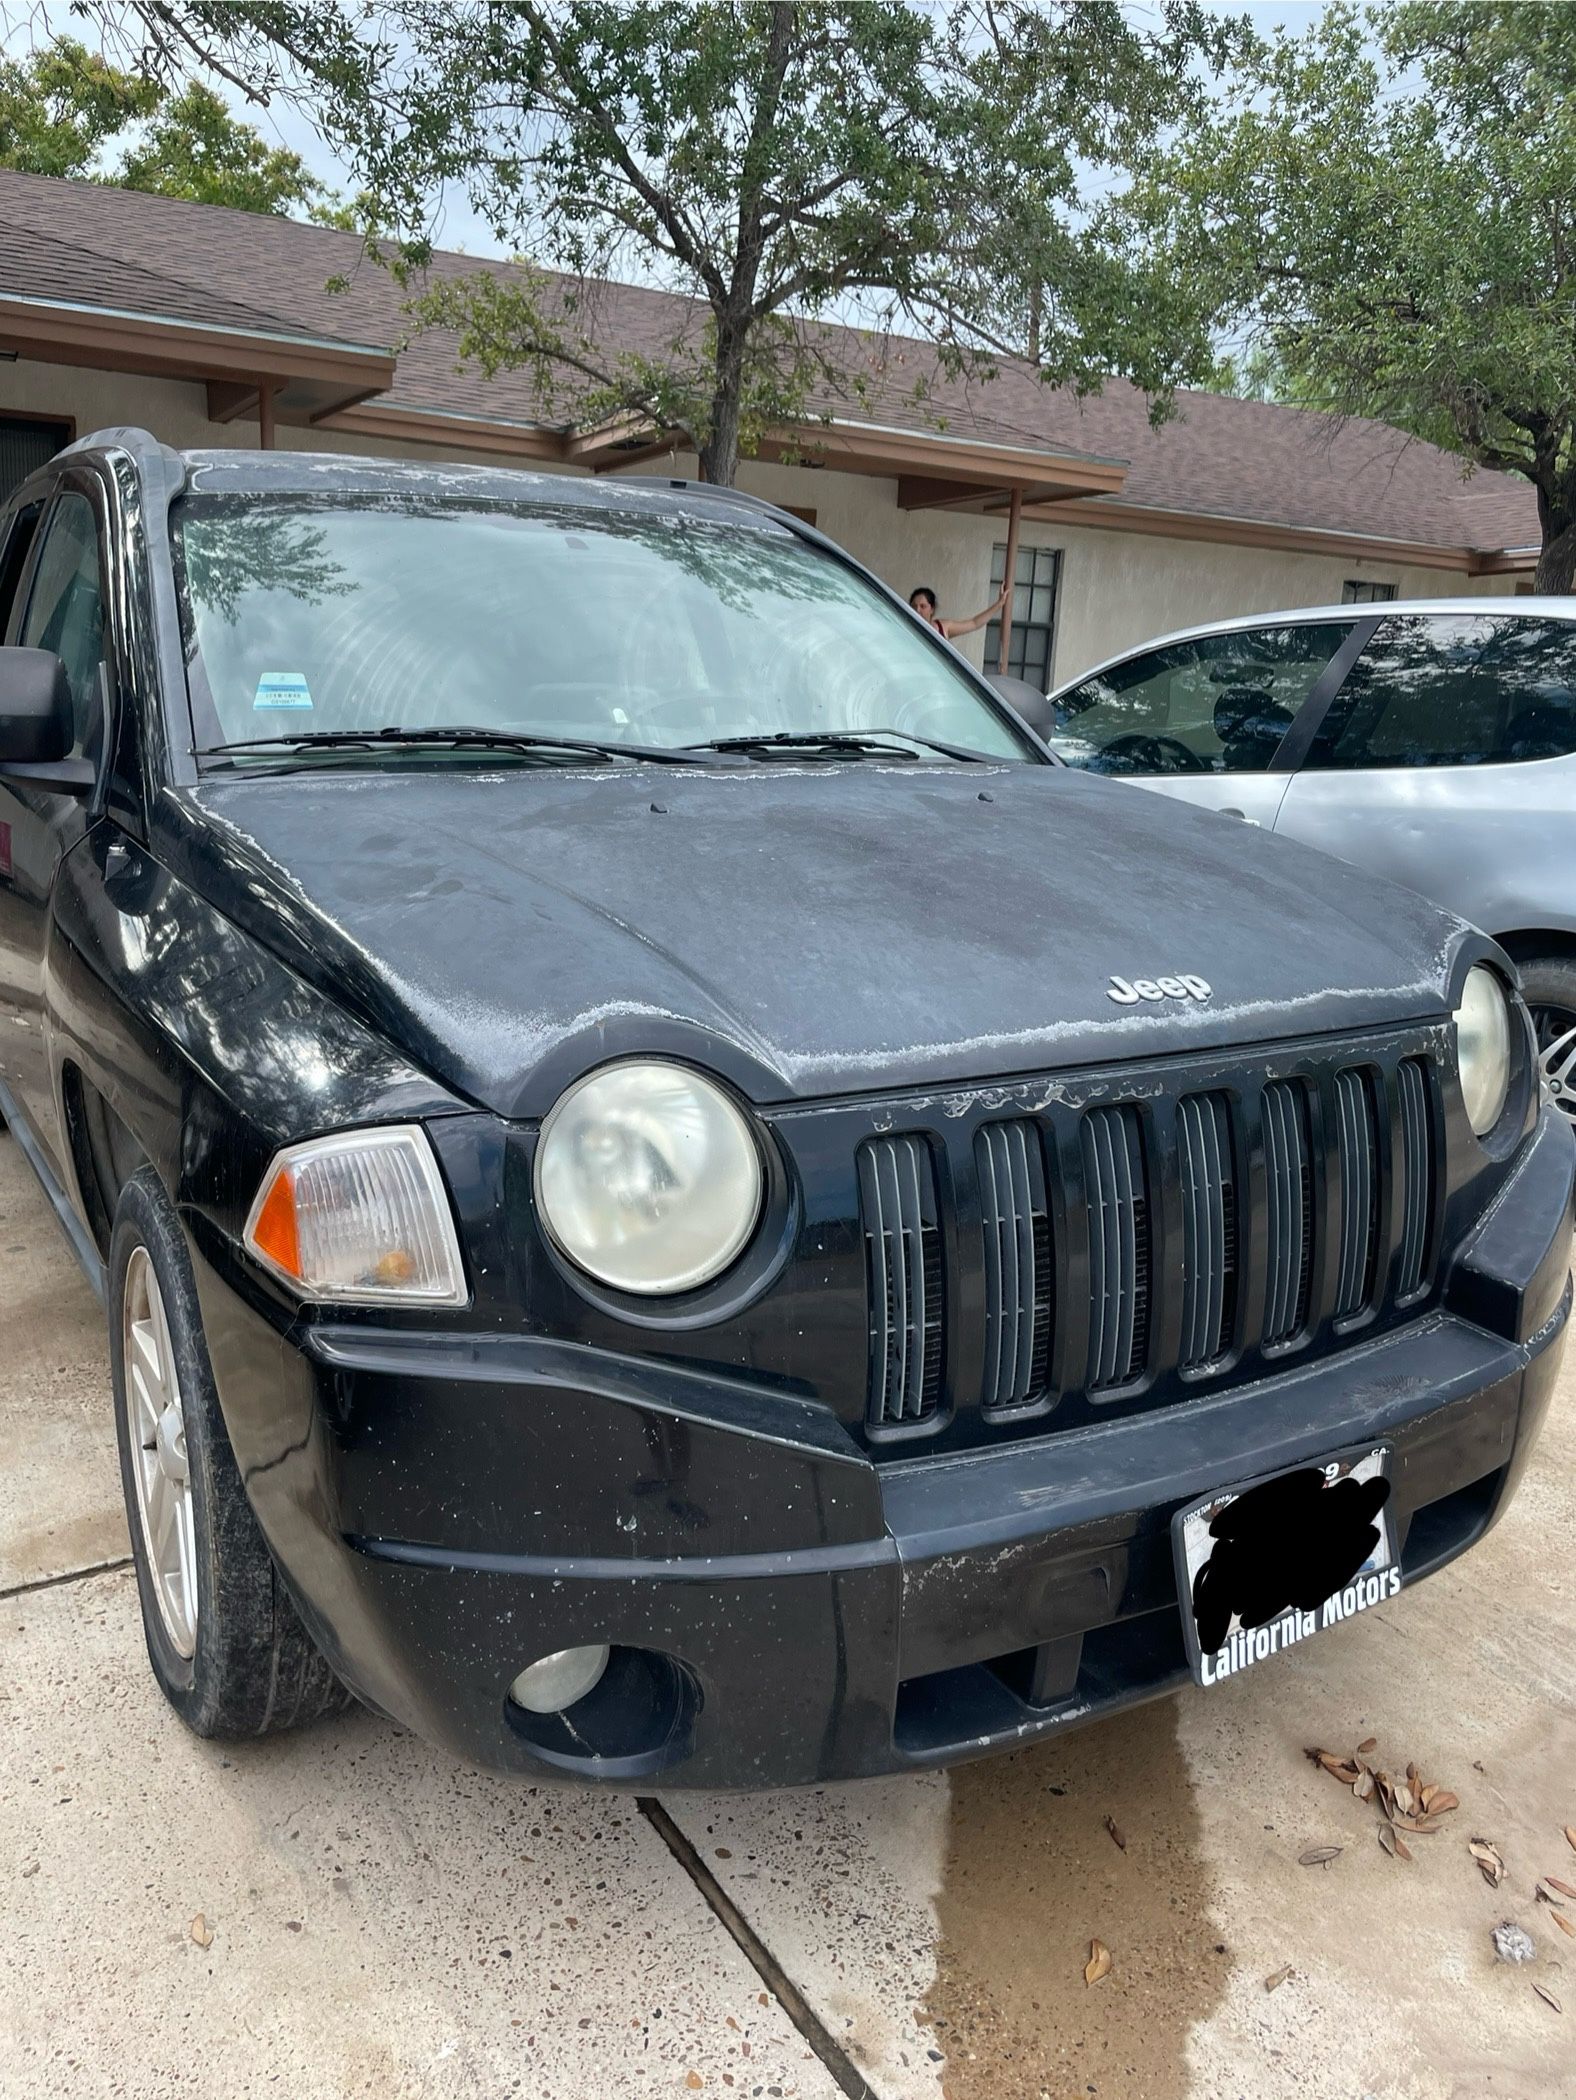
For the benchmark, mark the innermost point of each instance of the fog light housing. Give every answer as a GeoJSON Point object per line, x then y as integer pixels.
{"type": "Point", "coordinates": [560, 1679]}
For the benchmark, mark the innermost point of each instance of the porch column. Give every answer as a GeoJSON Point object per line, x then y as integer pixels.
{"type": "Point", "coordinates": [1014, 519]}
{"type": "Point", "coordinates": [265, 414]}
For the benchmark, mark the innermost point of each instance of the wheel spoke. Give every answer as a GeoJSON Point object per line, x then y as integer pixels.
{"type": "Point", "coordinates": [186, 1597]}
{"type": "Point", "coordinates": [165, 1514]}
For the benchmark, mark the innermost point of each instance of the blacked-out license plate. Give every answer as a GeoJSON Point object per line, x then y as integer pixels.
{"type": "Point", "coordinates": [1262, 1567]}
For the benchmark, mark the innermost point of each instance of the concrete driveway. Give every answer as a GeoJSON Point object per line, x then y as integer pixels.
{"type": "Point", "coordinates": [371, 1918]}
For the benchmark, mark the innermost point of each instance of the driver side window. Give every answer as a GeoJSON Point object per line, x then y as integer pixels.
{"type": "Point", "coordinates": [65, 610]}
{"type": "Point", "coordinates": [1218, 704]}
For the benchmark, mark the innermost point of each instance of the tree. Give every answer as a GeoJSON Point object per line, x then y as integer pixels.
{"type": "Point", "coordinates": [195, 148]}
{"type": "Point", "coordinates": [63, 108]}
{"type": "Point", "coordinates": [1389, 220]}
{"type": "Point", "coordinates": [61, 105]}
{"type": "Point", "coordinates": [772, 161]}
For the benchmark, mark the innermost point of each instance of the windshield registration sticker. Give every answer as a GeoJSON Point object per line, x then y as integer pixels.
{"type": "Point", "coordinates": [282, 689]}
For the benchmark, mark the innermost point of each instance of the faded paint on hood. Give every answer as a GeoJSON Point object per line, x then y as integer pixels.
{"type": "Point", "coordinates": [809, 930]}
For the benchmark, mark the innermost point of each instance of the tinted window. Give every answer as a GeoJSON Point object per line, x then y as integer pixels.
{"type": "Point", "coordinates": [13, 559]}
{"type": "Point", "coordinates": [640, 627]}
{"type": "Point", "coordinates": [1220, 704]}
{"type": "Point", "coordinates": [1460, 690]}
{"type": "Point", "coordinates": [65, 608]}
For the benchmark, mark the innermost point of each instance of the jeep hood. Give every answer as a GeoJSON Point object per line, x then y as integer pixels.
{"type": "Point", "coordinates": [808, 929]}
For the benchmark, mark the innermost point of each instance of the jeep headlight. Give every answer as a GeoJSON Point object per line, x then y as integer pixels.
{"type": "Point", "coordinates": [648, 1177]}
{"type": "Point", "coordinates": [1483, 1039]}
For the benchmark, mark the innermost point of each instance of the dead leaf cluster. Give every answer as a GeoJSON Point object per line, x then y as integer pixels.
{"type": "Point", "coordinates": [1411, 1806]}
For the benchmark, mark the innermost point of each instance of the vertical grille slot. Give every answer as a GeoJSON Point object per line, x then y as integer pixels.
{"type": "Point", "coordinates": [1209, 1228]}
{"type": "Point", "coordinates": [1119, 1252]}
{"type": "Point", "coordinates": [897, 1199]}
{"type": "Point", "coordinates": [1016, 1225]}
{"type": "Point", "coordinates": [1357, 1139]}
{"type": "Point", "coordinates": [1418, 1171]}
{"type": "Point", "coordinates": [1288, 1209]}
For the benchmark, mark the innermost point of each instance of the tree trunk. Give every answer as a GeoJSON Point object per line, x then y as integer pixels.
{"type": "Point", "coordinates": [719, 456]}
{"type": "Point", "coordinates": [1556, 573]}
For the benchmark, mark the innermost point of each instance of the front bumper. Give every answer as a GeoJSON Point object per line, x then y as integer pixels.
{"type": "Point", "coordinates": [783, 1610]}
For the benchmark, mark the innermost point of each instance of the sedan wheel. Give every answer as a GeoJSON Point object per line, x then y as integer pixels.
{"type": "Point", "coordinates": [161, 1471]}
{"type": "Point", "coordinates": [1556, 1027]}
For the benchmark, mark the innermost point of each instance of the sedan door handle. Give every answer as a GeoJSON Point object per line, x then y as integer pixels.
{"type": "Point", "coordinates": [1242, 813]}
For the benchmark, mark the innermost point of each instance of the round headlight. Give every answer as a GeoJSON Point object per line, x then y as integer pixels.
{"type": "Point", "coordinates": [648, 1178]}
{"type": "Point", "coordinates": [1483, 1048]}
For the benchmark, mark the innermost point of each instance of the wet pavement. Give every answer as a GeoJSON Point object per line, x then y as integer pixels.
{"type": "Point", "coordinates": [380, 1920]}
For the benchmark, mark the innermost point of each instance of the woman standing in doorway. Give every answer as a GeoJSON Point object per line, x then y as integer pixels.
{"type": "Point", "coordinates": [923, 599]}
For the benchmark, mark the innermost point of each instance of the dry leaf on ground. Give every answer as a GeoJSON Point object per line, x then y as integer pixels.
{"type": "Point", "coordinates": [201, 1931]}
{"type": "Point", "coordinates": [1563, 1887]}
{"type": "Point", "coordinates": [1570, 1836]}
{"type": "Point", "coordinates": [1319, 1855]}
{"type": "Point", "coordinates": [1393, 1842]}
{"type": "Point", "coordinates": [1363, 1786]}
{"type": "Point", "coordinates": [1117, 1838]}
{"type": "Point", "coordinates": [1099, 1962]}
{"type": "Point", "coordinates": [1491, 1862]}
{"type": "Point", "coordinates": [1274, 1982]}
{"type": "Point", "coordinates": [1548, 1996]}
{"type": "Point", "coordinates": [1368, 1743]}
{"type": "Point", "coordinates": [1563, 1922]}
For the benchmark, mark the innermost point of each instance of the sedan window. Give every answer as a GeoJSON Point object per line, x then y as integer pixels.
{"type": "Point", "coordinates": [1488, 688]}
{"type": "Point", "coordinates": [1218, 704]}
{"type": "Point", "coordinates": [639, 628]}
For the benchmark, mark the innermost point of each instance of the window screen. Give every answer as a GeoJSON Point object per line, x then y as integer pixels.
{"type": "Point", "coordinates": [1356, 592]}
{"type": "Point", "coordinates": [1456, 690]}
{"type": "Point", "coordinates": [1031, 645]}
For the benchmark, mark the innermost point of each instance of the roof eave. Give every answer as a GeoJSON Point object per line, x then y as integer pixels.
{"type": "Point", "coordinates": [319, 373]}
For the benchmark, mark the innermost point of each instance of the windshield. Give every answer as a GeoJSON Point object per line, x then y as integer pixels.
{"type": "Point", "coordinates": [307, 617]}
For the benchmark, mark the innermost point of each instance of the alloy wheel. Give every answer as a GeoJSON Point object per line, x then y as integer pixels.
{"type": "Point", "coordinates": [158, 1451]}
{"type": "Point", "coordinates": [1556, 1030]}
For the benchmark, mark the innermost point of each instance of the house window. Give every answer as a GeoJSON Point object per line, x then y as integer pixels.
{"type": "Point", "coordinates": [27, 442]}
{"type": "Point", "coordinates": [1031, 646]}
{"type": "Point", "coordinates": [1356, 592]}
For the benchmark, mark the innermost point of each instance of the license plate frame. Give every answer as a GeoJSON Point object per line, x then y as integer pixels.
{"type": "Point", "coordinates": [1375, 1581]}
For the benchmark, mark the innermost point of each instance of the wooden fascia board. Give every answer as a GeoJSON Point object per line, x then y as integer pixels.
{"type": "Point", "coordinates": [411, 426]}
{"type": "Point", "coordinates": [1251, 532]}
{"type": "Point", "coordinates": [1508, 561]}
{"type": "Point", "coordinates": [927, 492]}
{"type": "Point", "coordinates": [587, 447]}
{"type": "Point", "coordinates": [109, 341]}
{"type": "Point", "coordinates": [862, 448]}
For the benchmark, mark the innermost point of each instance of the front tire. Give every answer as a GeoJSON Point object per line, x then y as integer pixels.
{"type": "Point", "coordinates": [224, 1639]}
{"type": "Point", "coordinates": [1548, 984]}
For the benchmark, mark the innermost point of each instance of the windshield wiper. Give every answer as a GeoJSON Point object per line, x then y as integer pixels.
{"type": "Point", "coordinates": [458, 738]}
{"type": "Point", "coordinates": [845, 742]}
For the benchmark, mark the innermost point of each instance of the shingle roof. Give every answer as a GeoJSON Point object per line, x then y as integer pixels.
{"type": "Point", "coordinates": [1253, 461]}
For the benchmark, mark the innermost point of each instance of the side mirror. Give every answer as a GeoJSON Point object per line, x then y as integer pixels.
{"type": "Point", "coordinates": [1027, 702]}
{"type": "Point", "coordinates": [37, 728]}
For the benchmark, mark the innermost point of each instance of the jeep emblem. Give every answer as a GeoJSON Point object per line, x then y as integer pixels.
{"type": "Point", "coordinates": [1126, 994]}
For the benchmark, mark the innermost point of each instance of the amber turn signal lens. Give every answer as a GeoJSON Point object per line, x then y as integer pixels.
{"type": "Point", "coordinates": [273, 1230]}
{"type": "Point", "coordinates": [360, 1217]}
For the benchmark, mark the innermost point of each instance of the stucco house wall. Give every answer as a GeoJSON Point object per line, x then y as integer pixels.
{"type": "Point", "coordinates": [1117, 588]}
